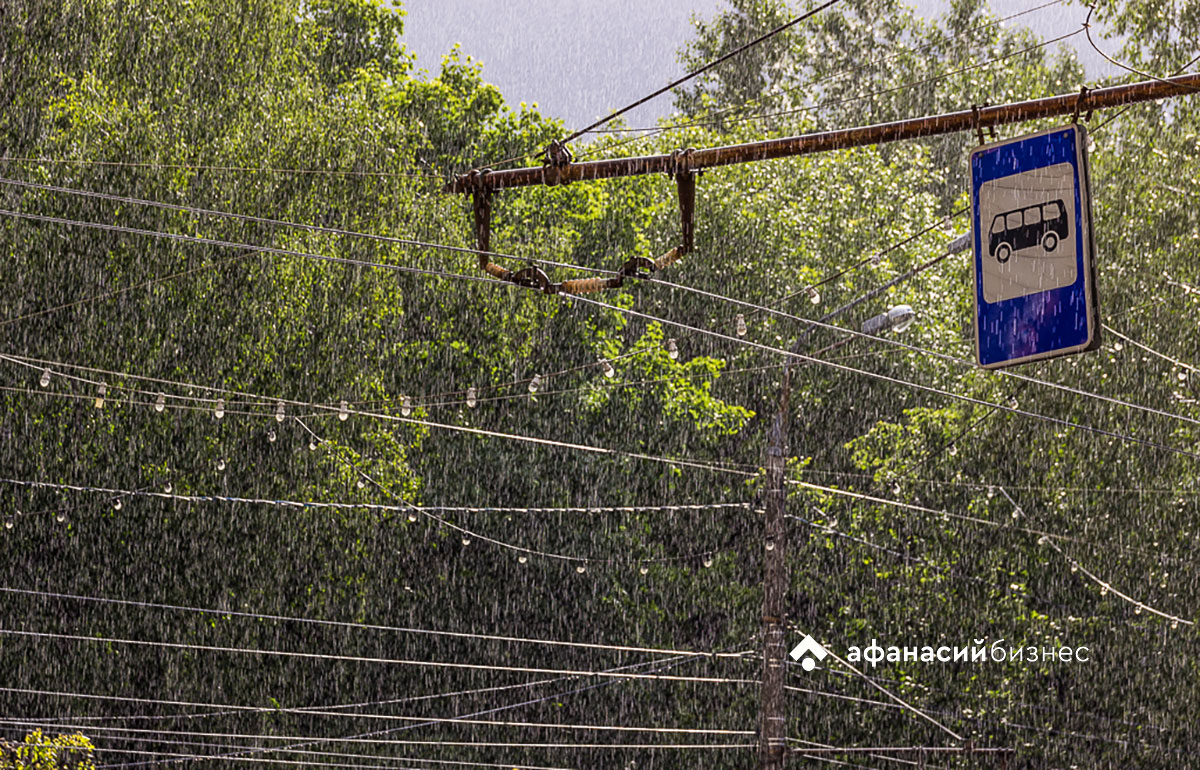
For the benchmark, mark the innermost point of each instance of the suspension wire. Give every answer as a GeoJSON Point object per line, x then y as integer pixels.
{"type": "Point", "coordinates": [183, 756]}
{"type": "Point", "coordinates": [384, 661]}
{"type": "Point", "coordinates": [284, 223]}
{"type": "Point", "coordinates": [239, 169]}
{"type": "Point", "coordinates": [1041, 533]}
{"type": "Point", "coordinates": [301, 710]}
{"type": "Point", "coordinates": [836, 74]}
{"type": "Point", "coordinates": [365, 626]}
{"type": "Point", "coordinates": [894, 380]}
{"type": "Point", "coordinates": [923, 351]}
{"type": "Point", "coordinates": [903, 703]}
{"type": "Point", "coordinates": [261, 249]}
{"type": "Point", "coordinates": [659, 667]}
{"type": "Point", "coordinates": [461, 721]}
{"type": "Point", "coordinates": [579, 560]}
{"type": "Point", "coordinates": [470, 744]}
{"type": "Point", "coordinates": [1151, 350]}
{"type": "Point", "coordinates": [117, 292]}
{"type": "Point", "coordinates": [843, 101]}
{"type": "Point", "coordinates": [701, 70]}
{"type": "Point", "coordinates": [1087, 27]}
{"type": "Point", "coordinates": [1105, 586]}
{"type": "Point", "coordinates": [329, 754]}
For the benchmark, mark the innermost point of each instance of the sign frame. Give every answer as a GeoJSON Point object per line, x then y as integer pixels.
{"type": "Point", "coordinates": [1077, 302]}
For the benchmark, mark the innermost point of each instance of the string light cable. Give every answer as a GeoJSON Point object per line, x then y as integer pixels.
{"type": "Point", "coordinates": [1105, 586]}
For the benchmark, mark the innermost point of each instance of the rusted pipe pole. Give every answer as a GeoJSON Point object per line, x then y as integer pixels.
{"type": "Point", "coordinates": [936, 125]}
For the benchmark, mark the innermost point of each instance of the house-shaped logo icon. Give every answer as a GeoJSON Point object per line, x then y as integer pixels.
{"type": "Point", "coordinates": [808, 646]}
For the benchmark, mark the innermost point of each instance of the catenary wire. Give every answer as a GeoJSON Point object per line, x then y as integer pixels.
{"type": "Point", "coordinates": [239, 169]}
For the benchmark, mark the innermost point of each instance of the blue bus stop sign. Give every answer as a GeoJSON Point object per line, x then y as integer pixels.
{"type": "Point", "coordinates": [1035, 286]}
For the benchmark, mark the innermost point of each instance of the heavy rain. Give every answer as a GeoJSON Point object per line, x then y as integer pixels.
{"type": "Point", "coordinates": [740, 384]}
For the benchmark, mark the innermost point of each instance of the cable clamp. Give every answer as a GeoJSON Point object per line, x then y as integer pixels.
{"type": "Point", "coordinates": [681, 162]}
{"type": "Point", "coordinates": [637, 267]}
{"type": "Point", "coordinates": [1079, 100]}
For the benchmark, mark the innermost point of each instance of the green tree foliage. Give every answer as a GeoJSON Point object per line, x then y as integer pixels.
{"type": "Point", "coordinates": [40, 751]}
{"type": "Point", "coordinates": [312, 113]}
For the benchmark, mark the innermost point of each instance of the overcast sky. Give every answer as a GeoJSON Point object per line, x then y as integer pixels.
{"type": "Point", "coordinates": [580, 59]}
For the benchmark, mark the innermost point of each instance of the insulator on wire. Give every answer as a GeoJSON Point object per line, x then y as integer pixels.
{"type": "Point", "coordinates": [101, 393]}
{"type": "Point", "coordinates": [535, 383]}
{"type": "Point", "coordinates": [672, 349]}
{"type": "Point", "coordinates": [160, 403]}
{"type": "Point", "coordinates": [472, 397]}
{"type": "Point", "coordinates": [607, 368]}
{"type": "Point", "coordinates": [219, 409]}
{"type": "Point", "coordinates": [279, 412]}
{"type": "Point", "coordinates": [406, 406]}
{"type": "Point", "coordinates": [44, 381]}
{"type": "Point", "coordinates": [741, 325]}
{"type": "Point", "coordinates": [343, 411]}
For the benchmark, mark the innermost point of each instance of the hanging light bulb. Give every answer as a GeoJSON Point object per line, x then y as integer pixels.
{"type": "Point", "coordinates": [279, 414]}
{"type": "Point", "coordinates": [581, 569]}
{"type": "Point", "coordinates": [60, 517]}
{"type": "Point", "coordinates": [672, 349]}
{"type": "Point", "coordinates": [412, 518]}
{"type": "Point", "coordinates": [221, 464]}
{"type": "Point", "coordinates": [708, 561]}
{"type": "Point", "coordinates": [535, 383]}
{"type": "Point", "coordinates": [741, 325]}
{"type": "Point", "coordinates": [472, 397]}
{"type": "Point", "coordinates": [406, 406]}
{"type": "Point", "coordinates": [271, 436]}
{"type": "Point", "coordinates": [466, 540]}
{"type": "Point", "coordinates": [117, 504]}
{"type": "Point", "coordinates": [312, 446]}
{"type": "Point", "coordinates": [343, 411]}
{"type": "Point", "coordinates": [607, 368]}
{"type": "Point", "coordinates": [8, 523]}
{"type": "Point", "coordinates": [219, 409]}
{"type": "Point", "coordinates": [101, 393]}
{"type": "Point", "coordinates": [522, 559]}
{"type": "Point", "coordinates": [770, 545]}
{"type": "Point", "coordinates": [160, 403]}
{"type": "Point", "coordinates": [168, 489]}
{"type": "Point", "coordinates": [644, 570]}
{"type": "Point", "coordinates": [45, 378]}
